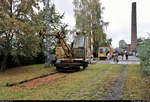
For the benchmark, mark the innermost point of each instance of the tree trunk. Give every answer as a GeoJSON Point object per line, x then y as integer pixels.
{"type": "Point", "coordinates": [4, 63]}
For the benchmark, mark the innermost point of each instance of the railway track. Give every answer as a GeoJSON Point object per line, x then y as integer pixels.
{"type": "Point", "coordinates": [32, 79]}
{"type": "Point", "coordinates": [27, 80]}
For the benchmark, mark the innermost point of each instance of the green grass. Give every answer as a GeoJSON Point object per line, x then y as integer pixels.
{"type": "Point", "coordinates": [90, 84]}
{"type": "Point", "coordinates": [25, 72]}
{"type": "Point", "coordinates": [137, 87]}
{"type": "Point", "coordinates": [69, 86]}
{"type": "Point", "coordinates": [19, 74]}
{"type": "Point", "coordinates": [91, 90]}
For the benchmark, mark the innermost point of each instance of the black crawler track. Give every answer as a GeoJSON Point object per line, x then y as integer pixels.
{"type": "Point", "coordinates": [27, 80]}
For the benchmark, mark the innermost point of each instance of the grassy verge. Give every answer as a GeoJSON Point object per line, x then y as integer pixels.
{"type": "Point", "coordinates": [137, 87]}
{"type": "Point", "coordinates": [25, 72]}
{"type": "Point", "coordinates": [96, 89]}
{"type": "Point", "coordinates": [70, 86]}
{"type": "Point", "coordinates": [19, 74]}
{"type": "Point", "coordinates": [62, 89]}
{"type": "Point", "coordinates": [90, 84]}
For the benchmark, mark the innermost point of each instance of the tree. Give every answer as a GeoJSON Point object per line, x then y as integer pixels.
{"type": "Point", "coordinates": [108, 42]}
{"type": "Point", "coordinates": [140, 40]}
{"type": "Point", "coordinates": [18, 35]}
{"type": "Point", "coordinates": [48, 24]}
{"type": "Point", "coordinates": [56, 24]}
{"type": "Point", "coordinates": [83, 10]}
{"type": "Point", "coordinates": [122, 44]}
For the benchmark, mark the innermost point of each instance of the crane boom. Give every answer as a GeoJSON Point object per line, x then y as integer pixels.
{"type": "Point", "coordinates": [67, 49]}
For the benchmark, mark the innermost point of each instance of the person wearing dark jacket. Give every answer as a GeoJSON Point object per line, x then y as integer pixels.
{"type": "Point", "coordinates": [116, 57]}
{"type": "Point", "coordinates": [123, 54]}
{"type": "Point", "coordinates": [126, 53]}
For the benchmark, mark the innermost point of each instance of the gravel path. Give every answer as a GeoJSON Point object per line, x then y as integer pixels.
{"type": "Point", "coordinates": [131, 60]}
{"type": "Point", "coordinates": [116, 92]}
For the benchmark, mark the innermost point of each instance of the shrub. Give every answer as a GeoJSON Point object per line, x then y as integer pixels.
{"type": "Point", "coordinates": [144, 55]}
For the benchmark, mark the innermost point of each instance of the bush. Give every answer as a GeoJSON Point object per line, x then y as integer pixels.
{"type": "Point", "coordinates": [24, 60]}
{"type": "Point", "coordinates": [144, 55]}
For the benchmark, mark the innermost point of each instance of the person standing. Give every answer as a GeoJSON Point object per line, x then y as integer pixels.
{"type": "Point", "coordinates": [108, 55]}
{"type": "Point", "coordinates": [122, 54]}
{"type": "Point", "coordinates": [126, 55]}
{"type": "Point", "coordinates": [52, 59]}
{"type": "Point", "coordinates": [116, 57]}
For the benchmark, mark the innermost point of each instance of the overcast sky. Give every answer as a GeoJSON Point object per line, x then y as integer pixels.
{"type": "Point", "coordinates": [118, 14]}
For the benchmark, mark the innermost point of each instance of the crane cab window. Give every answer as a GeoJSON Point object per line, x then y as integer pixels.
{"type": "Point", "coordinates": [81, 44]}
{"type": "Point", "coordinates": [78, 42]}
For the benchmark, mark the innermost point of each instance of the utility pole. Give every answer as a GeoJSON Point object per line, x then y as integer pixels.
{"type": "Point", "coordinates": [92, 41]}
{"type": "Point", "coordinates": [47, 20]}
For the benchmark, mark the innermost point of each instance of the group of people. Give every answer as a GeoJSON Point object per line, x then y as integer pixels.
{"type": "Point", "coordinates": [124, 55]}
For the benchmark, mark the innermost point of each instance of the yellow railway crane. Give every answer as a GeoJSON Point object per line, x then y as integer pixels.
{"type": "Point", "coordinates": [74, 56]}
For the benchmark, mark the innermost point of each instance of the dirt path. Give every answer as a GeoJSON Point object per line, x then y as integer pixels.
{"type": "Point", "coordinates": [34, 83]}
{"type": "Point", "coordinates": [116, 92]}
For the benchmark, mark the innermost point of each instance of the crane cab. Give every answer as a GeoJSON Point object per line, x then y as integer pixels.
{"type": "Point", "coordinates": [73, 56]}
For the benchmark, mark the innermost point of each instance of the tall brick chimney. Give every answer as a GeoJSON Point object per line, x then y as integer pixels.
{"type": "Point", "coordinates": [133, 28]}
